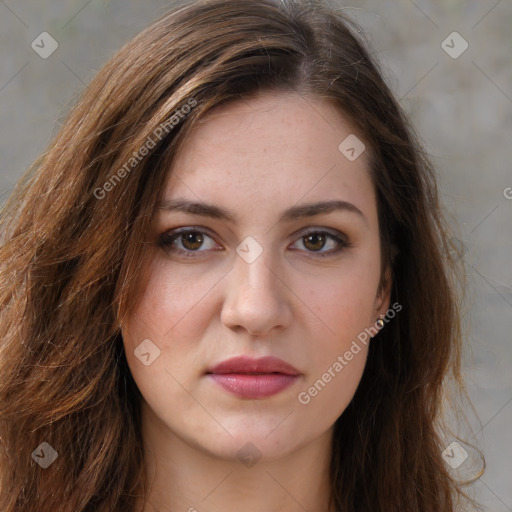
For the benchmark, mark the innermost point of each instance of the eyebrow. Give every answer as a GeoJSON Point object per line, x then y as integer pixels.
{"type": "Point", "coordinates": [293, 213]}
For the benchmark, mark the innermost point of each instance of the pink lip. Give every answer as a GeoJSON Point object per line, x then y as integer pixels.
{"type": "Point", "coordinates": [254, 378]}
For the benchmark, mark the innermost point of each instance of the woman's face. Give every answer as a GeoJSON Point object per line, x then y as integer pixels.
{"type": "Point", "coordinates": [246, 262]}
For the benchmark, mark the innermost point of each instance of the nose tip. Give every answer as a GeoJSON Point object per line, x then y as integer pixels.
{"type": "Point", "coordinates": [255, 299]}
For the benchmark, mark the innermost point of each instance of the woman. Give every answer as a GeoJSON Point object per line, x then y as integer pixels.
{"type": "Point", "coordinates": [227, 284]}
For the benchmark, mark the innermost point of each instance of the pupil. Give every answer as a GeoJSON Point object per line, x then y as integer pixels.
{"type": "Point", "coordinates": [192, 240]}
{"type": "Point", "coordinates": [315, 241]}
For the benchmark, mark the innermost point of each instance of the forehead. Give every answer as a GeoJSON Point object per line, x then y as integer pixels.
{"type": "Point", "coordinates": [271, 149]}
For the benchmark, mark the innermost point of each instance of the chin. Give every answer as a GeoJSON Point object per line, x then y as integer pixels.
{"type": "Point", "coordinates": [253, 444]}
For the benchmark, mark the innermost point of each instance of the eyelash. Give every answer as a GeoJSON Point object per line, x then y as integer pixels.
{"type": "Point", "coordinates": [167, 242]}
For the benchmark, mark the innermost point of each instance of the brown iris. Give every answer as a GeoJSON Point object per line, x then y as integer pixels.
{"type": "Point", "coordinates": [314, 241]}
{"type": "Point", "coordinates": [192, 240]}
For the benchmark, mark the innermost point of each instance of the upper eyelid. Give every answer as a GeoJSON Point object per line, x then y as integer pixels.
{"type": "Point", "coordinates": [187, 229]}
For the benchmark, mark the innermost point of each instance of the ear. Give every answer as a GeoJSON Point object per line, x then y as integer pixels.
{"type": "Point", "coordinates": [383, 297]}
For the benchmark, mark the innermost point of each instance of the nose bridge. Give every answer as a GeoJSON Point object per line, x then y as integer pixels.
{"type": "Point", "coordinates": [256, 298]}
{"type": "Point", "coordinates": [256, 279]}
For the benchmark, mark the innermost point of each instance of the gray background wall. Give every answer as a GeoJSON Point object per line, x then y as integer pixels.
{"type": "Point", "coordinates": [462, 108]}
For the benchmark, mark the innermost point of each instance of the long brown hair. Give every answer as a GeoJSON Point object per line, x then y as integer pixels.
{"type": "Point", "coordinates": [74, 232]}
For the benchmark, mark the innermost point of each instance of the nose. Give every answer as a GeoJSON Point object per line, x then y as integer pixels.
{"type": "Point", "coordinates": [257, 299]}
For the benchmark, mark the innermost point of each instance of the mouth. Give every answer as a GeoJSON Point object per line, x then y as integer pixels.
{"type": "Point", "coordinates": [251, 378]}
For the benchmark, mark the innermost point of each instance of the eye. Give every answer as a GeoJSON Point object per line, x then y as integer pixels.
{"type": "Point", "coordinates": [316, 241]}
{"type": "Point", "coordinates": [191, 242]}
{"type": "Point", "coordinates": [187, 241]}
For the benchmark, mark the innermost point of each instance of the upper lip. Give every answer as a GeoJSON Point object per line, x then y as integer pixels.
{"type": "Point", "coordinates": [245, 364]}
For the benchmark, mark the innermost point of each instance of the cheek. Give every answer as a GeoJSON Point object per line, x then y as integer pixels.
{"type": "Point", "coordinates": [343, 300]}
{"type": "Point", "coordinates": [337, 356]}
{"type": "Point", "coordinates": [176, 300]}
{"type": "Point", "coordinates": [328, 393]}
{"type": "Point", "coordinates": [173, 313]}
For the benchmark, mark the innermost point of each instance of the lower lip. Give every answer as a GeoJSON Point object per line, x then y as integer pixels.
{"type": "Point", "coordinates": [254, 386]}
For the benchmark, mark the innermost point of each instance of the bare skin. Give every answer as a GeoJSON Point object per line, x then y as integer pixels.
{"type": "Point", "coordinates": [206, 448]}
